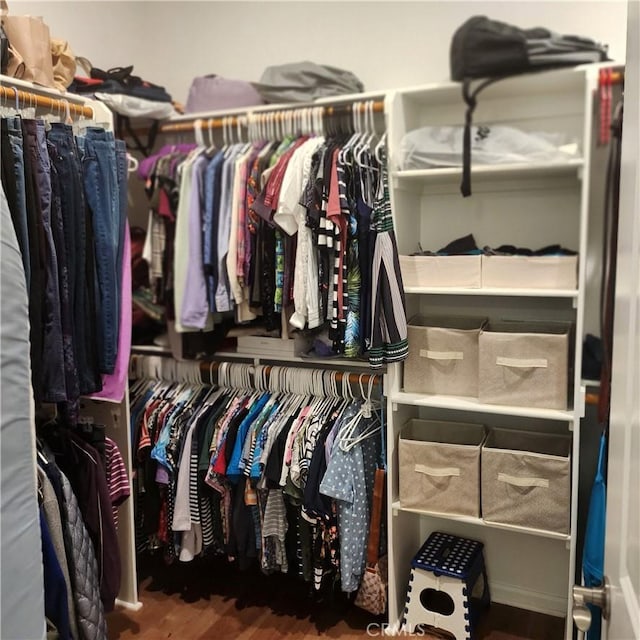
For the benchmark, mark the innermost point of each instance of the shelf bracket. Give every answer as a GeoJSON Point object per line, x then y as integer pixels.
{"type": "Point", "coordinates": [394, 406]}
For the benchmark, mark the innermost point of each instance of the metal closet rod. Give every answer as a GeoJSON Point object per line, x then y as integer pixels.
{"type": "Point", "coordinates": [207, 368]}
{"type": "Point", "coordinates": [28, 99]}
{"type": "Point", "coordinates": [218, 123]}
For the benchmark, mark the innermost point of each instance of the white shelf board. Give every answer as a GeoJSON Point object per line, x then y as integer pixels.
{"type": "Point", "coordinates": [494, 291]}
{"type": "Point", "coordinates": [50, 92]}
{"type": "Point", "coordinates": [451, 175]}
{"type": "Point", "coordinates": [474, 405]}
{"type": "Point", "coordinates": [267, 358]}
{"type": "Point", "coordinates": [483, 523]}
{"type": "Point", "coordinates": [150, 349]}
{"type": "Point", "coordinates": [552, 81]}
{"type": "Point", "coordinates": [264, 358]}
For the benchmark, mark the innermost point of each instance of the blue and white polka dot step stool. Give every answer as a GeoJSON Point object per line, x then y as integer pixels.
{"type": "Point", "coordinates": [448, 586]}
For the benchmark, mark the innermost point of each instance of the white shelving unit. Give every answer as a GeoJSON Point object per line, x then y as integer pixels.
{"type": "Point", "coordinates": [531, 205]}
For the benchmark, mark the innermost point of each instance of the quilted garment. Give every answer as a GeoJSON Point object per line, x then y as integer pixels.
{"type": "Point", "coordinates": [89, 608]}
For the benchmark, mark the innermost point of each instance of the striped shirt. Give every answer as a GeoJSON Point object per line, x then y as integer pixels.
{"type": "Point", "coordinates": [117, 477]}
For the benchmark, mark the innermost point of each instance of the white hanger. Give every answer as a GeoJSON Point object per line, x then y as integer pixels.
{"type": "Point", "coordinates": [212, 144]}
{"type": "Point", "coordinates": [378, 148]}
{"type": "Point", "coordinates": [197, 132]}
{"type": "Point", "coordinates": [132, 163]}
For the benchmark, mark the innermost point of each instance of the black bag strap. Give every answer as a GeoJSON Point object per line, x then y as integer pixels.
{"type": "Point", "coordinates": [609, 259]}
{"type": "Point", "coordinates": [123, 122]}
{"type": "Point", "coordinates": [469, 97]}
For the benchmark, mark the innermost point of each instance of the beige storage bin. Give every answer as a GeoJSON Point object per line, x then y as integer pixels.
{"type": "Point", "coordinates": [441, 271]}
{"type": "Point", "coordinates": [439, 466]}
{"type": "Point", "coordinates": [530, 272]}
{"type": "Point", "coordinates": [526, 479]}
{"type": "Point", "coordinates": [524, 364]}
{"type": "Point", "coordinates": [443, 355]}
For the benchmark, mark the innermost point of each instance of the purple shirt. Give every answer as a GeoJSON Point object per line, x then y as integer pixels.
{"type": "Point", "coordinates": [195, 304]}
{"type": "Point", "coordinates": [145, 168]}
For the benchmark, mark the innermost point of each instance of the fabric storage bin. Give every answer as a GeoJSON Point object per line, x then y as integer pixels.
{"type": "Point", "coordinates": [439, 465]}
{"type": "Point", "coordinates": [530, 272]}
{"type": "Point", "coordinates": [526, 479]}
{"type": "Point", "coordinates": [524, 364]}
{"type": "Point", "coordinates": [441, 271]}
{"type": "Point", "coordinates": [443, 355]}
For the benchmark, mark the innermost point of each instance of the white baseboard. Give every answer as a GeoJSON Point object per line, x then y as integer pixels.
{"type": "Point", "coordinates": [132, 606]}
{"type": "Point", "coordinates": [537, 601]}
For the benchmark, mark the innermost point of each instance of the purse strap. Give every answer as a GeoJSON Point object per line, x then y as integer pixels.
{"type": "Point", "coordinates": [376, 517]}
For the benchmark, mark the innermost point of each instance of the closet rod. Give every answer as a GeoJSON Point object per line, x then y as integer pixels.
{"type": "Point", "coordinates": [27, 99]}
{"type": "Point", "coordinates": [212, 123]}
{"type": "Point", "coordinates": [206, 368]}
{"type": "Point", "coordinates": [218, 123]}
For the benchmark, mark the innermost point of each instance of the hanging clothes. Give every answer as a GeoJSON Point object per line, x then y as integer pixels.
{"type": "Point", "coordinates": [246, 473]}
{"type": "Point", "coordinates": [284, 232]}
{"type": "Point", "coordinates": [67, 198]}
{"type": "Point", "coordinates": [81, 559]}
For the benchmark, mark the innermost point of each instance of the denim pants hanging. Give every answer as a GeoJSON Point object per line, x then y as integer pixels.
{"type": "Point", "coordinates": [13, 182]}
{"type": "Point", "coordinates": [80, 255]}
{"type": "Point", "coordinates": [64, 277]}
{"type": "Point", "coordinates": [51, 385]}
{"type": "Point", "coordinates": [121, 172]}
{"type": "Point", "coordinates": [102, 195]}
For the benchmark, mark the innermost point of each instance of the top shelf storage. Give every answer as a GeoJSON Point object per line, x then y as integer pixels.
{"type": "Point", "coordinates": [570, 80]}
{"type": "Point", "coordinates": [551, 102]}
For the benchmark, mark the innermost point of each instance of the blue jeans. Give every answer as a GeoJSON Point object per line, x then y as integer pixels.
{"type": "Point", "coordinates": [79, 253]}
{"type": "Point", "coordinates": [121, 172]}
{"type": "Point", "coordinates": [13, 156]}
{"type": "Point", "coordinates": [102, 195]}
{"type": "Point", "coordinates": [53, 374]}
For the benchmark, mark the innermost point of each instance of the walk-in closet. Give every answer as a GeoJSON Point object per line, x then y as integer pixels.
{"type": "Point", "coordinates": [319, 319]}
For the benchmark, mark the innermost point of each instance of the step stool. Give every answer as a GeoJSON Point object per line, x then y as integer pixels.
{"type": "Point", "coordinates": [448, 586]}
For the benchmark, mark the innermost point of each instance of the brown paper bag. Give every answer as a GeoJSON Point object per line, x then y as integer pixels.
{"type": "Point", "coordinates": [64, 64]}
{"type": "Point", "coordinates": [29, 37]}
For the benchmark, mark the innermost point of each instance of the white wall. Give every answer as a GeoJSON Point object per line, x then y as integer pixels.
{"type": "Point", "coordinates": [386, 44]}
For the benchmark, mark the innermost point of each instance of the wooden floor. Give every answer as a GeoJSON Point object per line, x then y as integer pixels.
{"type": "Point", "coordinates": [213, 601]}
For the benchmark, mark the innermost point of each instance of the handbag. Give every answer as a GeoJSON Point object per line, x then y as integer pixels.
{"type": "Point", "coordinates": [372, 594]}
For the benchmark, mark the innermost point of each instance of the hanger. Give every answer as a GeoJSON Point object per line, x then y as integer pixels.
{"type": "Point", "coordinates": [379, 147]}
{"type": "Point", "coordinates": [367, 139]}
{"type": "Point", "coordinates": [212, 145]}
{"type": "Point", "coordinates": [132, 163]}
{"type": "Point", "coordinates": [198, 134]}
{"type": "Point", "coordinates": [348, 433]}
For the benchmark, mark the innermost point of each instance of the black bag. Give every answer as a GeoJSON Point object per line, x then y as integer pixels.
{"type": "Point", "coordinates": [491, 50]}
